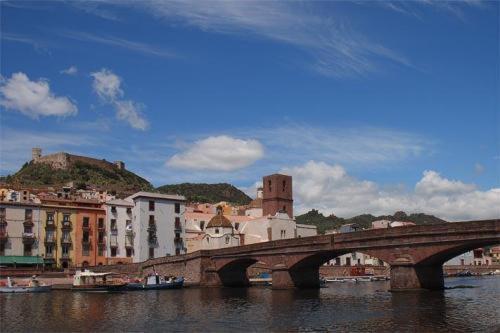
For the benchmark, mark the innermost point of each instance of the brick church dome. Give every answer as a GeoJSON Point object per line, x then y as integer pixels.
{"type": "Point", "coordinates": [219, 220]}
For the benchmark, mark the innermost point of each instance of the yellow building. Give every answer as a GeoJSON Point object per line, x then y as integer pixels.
{"type": "Point", "coordinates": [57, 229]}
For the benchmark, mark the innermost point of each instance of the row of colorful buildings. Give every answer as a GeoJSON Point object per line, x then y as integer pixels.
{"type": "Point", "coordinates": [71, 231]}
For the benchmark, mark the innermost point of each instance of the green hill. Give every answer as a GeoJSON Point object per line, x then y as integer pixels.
{"type": "Point", "coordinates": [314, 217]}
{"type": "Point", "coordinates": [211, 193]}
{"type": "Point", "coordinates": [82, 174]}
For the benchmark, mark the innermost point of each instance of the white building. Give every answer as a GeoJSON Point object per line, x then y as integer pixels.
{"type": "Point", "coordinates": [219, 233]}
{"type": "Point", "coordinates": [157, 224]}
{"type": "Point", "coordinates": [120, 239]}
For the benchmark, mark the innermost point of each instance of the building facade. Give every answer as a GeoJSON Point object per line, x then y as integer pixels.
{"type": "Point", "coordinates": [19, 229]}
{"type": "Point", "coordinates": [277, 195]}
{"type": "Point", "coordinates": [158, 221]}
{"type": "Point", "coordinates": [121, 235]}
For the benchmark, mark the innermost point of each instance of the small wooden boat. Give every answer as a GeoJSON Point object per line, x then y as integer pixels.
{"type": "Point", "coordinates": [96, 282]}
{"type": "Point", "coordinates": [34, 286]}
{"type": "Point", "coordinates": [157, 282]}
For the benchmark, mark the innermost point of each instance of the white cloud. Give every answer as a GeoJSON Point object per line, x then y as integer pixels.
{"type": "Point", "coordinates": [331, 189]}
{"type": "Point", "coordinates": [131, 113]}
{"type": "Point", "coordinates": [33, 98]}
{"type": "Point", "coordinates": [334, 48]}
{"type": "Point", "coordinates": [218, 153]}
{"type": "Point", "coordinates": [107, 86]}
{"type": "Point", "coordinates": [72, 70]}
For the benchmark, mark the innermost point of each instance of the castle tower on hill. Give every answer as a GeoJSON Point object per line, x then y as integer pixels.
{"type": "Point", "coordinates": [278, 195]}
{"type": "Point", "coordinates": [36, 153]}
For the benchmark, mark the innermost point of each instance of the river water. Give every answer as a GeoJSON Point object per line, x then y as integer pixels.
{"type": "Point", "coordinates": [342, 307]}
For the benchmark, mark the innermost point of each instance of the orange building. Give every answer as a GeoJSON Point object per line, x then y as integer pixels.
{"type": "Point", "coordinates": [90, 237]}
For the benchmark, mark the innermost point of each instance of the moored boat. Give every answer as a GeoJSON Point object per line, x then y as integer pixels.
{"type": "Point", "coordinates": [157, 282]}
{"type": "Point", "coordinates": [34, 286]}
{"type": "Point", "coordinates": [96, 282]}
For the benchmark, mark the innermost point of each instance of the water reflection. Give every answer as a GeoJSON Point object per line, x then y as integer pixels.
{"type": "Point", "coordinates": [341, 307]}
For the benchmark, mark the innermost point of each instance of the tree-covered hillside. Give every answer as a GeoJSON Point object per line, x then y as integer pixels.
{"type": "Point", "coordinates": [211, 193]}
{"type": "Point", "coordinates": [323, 223]}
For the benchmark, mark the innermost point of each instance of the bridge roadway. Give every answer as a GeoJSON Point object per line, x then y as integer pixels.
{"type": "Point", "coordinates": [415, 255]}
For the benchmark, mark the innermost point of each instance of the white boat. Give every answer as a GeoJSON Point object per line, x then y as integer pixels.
{"type": "Point", "coordinates": [34, 286]}
{"type": "Point", "coordinates": [96, 282]}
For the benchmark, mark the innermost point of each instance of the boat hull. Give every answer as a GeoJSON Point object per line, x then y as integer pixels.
{"type": "Point", "coordinates": [100, 288]}
{"type": "Point", "coordinates": [168, 285]}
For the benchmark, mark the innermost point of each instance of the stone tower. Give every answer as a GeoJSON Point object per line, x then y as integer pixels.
{"type": "Point", "coordinates": [277, 196]}
{"type": "Point", "coordinates": [36, 153]}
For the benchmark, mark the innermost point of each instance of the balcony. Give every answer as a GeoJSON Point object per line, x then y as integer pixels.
{"type": "Point", "coordinates": [101, 227]}
{"type": "Point", "coordinates": [49, 256]}
{"type": "Point", "coordinates": [152, 227]}
{"type": "Point", "coordinates": [65, 256]}
{"type": "Point", "coordinates": [86, 227]}
{"type": "Point", "coordinates": [152, 239]}
{"type": "Point", "coordinates": [49, 224]}
{"type": "Point", "coordinates": [178, 239]}
{"type": "Point", "coordinates": [86, 241]}
{"type": "Point", "coordinates": [101, 241]}
{"type": "Point", "coordinates": [66, 225]}
{"type": "Point", "coordinates": [66, 240]}
{"type": "Point", "coordinates": [28, 237]}
{"type": "Point", "coordinates": [113, 242]}
{"type": "Point", "coordinates": [50, 239]}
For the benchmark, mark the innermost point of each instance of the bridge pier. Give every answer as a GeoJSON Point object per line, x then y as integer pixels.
{"type": "Point", "coordinates": [305, 277]}
{"type": "Point", "coordinates": [408, 277]}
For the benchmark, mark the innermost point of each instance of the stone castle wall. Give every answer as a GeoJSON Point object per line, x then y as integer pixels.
{"type": "Point", "coordinates": [63, 160]}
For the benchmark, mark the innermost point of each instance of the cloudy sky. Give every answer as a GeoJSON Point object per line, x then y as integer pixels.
{"type": "Point", "coordinates": [372, 107]}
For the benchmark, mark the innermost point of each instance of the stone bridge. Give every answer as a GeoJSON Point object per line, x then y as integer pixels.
{"type": "Point", "coordinates": [415, 255]}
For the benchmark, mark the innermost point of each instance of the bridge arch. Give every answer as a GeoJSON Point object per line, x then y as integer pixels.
{"type": "Point", "coordinates": [233, 273]}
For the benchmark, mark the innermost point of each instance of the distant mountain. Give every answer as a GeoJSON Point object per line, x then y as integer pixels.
{"type": "Point", "coordinates": [211, 193]}
{"type": "Point", "coordinates": [100, 174]}
{"type": "Point", "coordinates": [314, 217]}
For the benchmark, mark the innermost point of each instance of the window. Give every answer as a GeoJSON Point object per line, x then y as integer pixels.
{"type": "Point", "coordinates": [50, 217]}
{"type": "Point", "coordinates": [202, 225]}
{"type": "Point", "coordinates": [151, 206]}
{"type": "Point", "coordinates": [27, 249]}
{"type": "Point", "coordinates": [227, 239]}
{"type": "Point", "coordinates": [177, 251]}
{"type": "Point", "coordinates": [269, 185]}
{"type": "Point", "coordinates": [28, 229]}
{"type": "Point", "coordinates": [86, 250]}
{"type": "Point", "coordinates": [101, 237]}
{"type": "Point", "coordinates": [129, 252]}
{"type": "Point", "coordinates": [65, 250]}
{"type": "Point", "coordinates": [284, 209]}
{"type": "Point", "coordinates": [151, 252]}
{"type": "Point", "coordinates": [177, 223]}
{"type": "Point", "coordinates": [337, 261]}
{"type": "Point", "coordinates": [100, 223]}
{"type": "Point", "coordinates": [113, 251]}
{"type": "Point", "coordinates": [28, 214]}
{"type": "Point", "coordinates": [151, 219]}
{"type": "Point", "coordinates": [100, 251]}
{"type": "Point", "coordinates": [66, 218]}
{"type": "Point", "coordinates": [113, 224]}
{"type": "Point", "coordinates": [236, 225]}
{"type": "Point", "coordinates": [85, 238]}
{"type": "Point", "coordinates": [2, 249]}
{"type": "Point", "coordinates": [216, 230]}
{"type": "Point", "coordinates": [85, 222]}
{"type": "Point", "coordinates": [2, 212]}
{"type": "Point", "coordinates": [284, 185]}
{"type": "Point", "coordinates": [177, 208]}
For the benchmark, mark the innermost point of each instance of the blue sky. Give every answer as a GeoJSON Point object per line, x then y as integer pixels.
{"type": "Point", "coordinates": [401, 97]}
